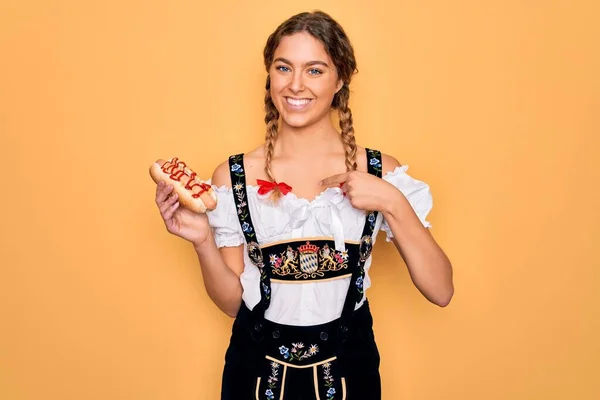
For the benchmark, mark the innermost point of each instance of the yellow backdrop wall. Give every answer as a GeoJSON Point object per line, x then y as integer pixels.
{"type": "Point", "coordinates": [493, 103]}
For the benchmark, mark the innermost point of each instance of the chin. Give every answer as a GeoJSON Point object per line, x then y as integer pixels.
{"type": "Point", "coordinates": [296, 121]}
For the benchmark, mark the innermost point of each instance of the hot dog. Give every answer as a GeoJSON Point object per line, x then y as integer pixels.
{"type": "Point", "coordinates": [194, 193]}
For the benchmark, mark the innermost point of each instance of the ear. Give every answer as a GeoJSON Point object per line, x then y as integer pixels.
{"type": "Point", "coordinates": [339, 85]}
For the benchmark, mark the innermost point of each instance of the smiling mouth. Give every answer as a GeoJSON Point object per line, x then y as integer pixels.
{"type": "Point", "coordinates": [297, 102]}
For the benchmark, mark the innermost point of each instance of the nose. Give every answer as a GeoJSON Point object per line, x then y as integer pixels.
{"type": "Point", "coordinates": [297, 83]}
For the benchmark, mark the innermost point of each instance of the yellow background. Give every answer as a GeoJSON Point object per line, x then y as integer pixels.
{"type": "Point", "coordinates": [493, 103]}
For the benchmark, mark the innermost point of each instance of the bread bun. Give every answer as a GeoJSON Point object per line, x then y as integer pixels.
{"type": "Point", "coordinates": [194, 194]}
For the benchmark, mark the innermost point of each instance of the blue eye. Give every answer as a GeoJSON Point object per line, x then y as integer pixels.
{"type": "Point", "coordinates": [315, 71]}
{"type": "Point", "coordinates": [282, 68]}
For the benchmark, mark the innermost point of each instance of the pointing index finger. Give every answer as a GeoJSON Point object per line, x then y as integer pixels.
{"type": "Point", "coordinates": [334, 180]}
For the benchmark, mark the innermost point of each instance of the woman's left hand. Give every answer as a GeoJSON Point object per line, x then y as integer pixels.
{"type": "Point", "coordinates": [363, 190]}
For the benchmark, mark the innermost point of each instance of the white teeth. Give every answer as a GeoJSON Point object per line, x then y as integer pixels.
{"type": "Point", "coordinates": [298, 102]}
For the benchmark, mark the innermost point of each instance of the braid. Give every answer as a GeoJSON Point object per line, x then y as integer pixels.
{"type": "Point", "coordinates": [271, 119]}
{"type": "Point", "coordinates": [345, 117]}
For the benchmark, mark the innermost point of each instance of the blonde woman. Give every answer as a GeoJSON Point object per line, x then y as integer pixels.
{"type": "Point", "coordinates": [287, 251]}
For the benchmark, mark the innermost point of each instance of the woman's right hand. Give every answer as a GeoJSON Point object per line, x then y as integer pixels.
{"type": "Point", "coordinates": [180, 221]}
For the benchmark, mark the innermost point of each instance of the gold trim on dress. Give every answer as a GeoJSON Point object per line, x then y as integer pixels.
{"type": "Point", "coordinates": [264, 246]}
{"type": "Point", "coordinates": [283, 382]}
{"type": "Point", "coordinates": [315, 281]}
{"type": "Point", "coordinates": [316, 380]}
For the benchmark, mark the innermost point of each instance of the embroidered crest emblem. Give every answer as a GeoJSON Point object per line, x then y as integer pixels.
{"type": "Point", "coordinates": [307, 261]}
{"type": "Point", "coordinates": [309, 257]}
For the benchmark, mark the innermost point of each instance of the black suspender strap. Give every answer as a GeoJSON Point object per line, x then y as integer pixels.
{"type": "Point", "coordinates": [356, 288]}
{"type": "Point", "coordinates": [240, 196]}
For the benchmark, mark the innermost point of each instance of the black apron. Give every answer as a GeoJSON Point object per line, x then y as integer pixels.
{"type": "Point", "coordinates": [338, 360]}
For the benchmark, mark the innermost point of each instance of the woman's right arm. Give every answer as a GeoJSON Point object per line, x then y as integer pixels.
{"type": "Point", "coordinates": [220, 271]}
{"type": "Point", "coordinates": [221, 268]}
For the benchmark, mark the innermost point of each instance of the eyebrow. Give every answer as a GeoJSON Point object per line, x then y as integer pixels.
{"type": "Point", "coordinates": [308, 64]}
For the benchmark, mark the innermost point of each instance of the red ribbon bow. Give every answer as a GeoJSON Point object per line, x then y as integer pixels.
{"type": "Point", "coordinates": [266, 187]}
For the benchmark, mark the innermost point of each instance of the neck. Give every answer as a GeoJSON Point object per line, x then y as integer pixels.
{"type": "Point", "coordinates": [308, 141]}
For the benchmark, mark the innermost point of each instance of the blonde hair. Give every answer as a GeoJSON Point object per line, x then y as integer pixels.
{"type": "Point", "coordinates": [272, 121]}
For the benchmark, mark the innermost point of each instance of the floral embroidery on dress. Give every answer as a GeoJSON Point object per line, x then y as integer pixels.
{"type": "Point", "coordinates": [273, 380]}
{"type": "Point", "coordinates": [240, 197]}
{"type": "Point", "coordinates": [374, 159]}
{"type": "Point", "coordinates": [366, 242]}
{"type": "Point", "coordinates": [330, 393]}
{"type": "Point", "coordinates": [240, 194]}
{"type": "Point", "coordinates": [328, 380]}
{"type": "Point", "coordinates": [237, 168]}
{"type": "Point", "coordinates": [359, 284]}
{"type": "Point", "coordinates": [266, 289]}
{"type": "Point", "coordinates": [298, 352]}
{"type": "Point", "coordinates": [371, 218]}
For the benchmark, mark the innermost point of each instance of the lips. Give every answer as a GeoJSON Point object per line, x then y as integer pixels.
{"type": "Point", "coordinates": [297, 104]}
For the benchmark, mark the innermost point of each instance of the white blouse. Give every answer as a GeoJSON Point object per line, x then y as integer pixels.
{"type": "Point", "coordinates": [329, 215]}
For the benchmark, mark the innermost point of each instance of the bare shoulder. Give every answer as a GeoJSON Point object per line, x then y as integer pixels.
{"type": "Point", "coordinates": [221, 175]}
{"type": "Point", "coordinates": [254, 161]}
{"type": "Point", "coordinates": [388, 162]}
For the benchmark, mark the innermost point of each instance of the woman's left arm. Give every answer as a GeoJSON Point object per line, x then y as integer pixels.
{"type": "Point", "coordinates": [429, 267]}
